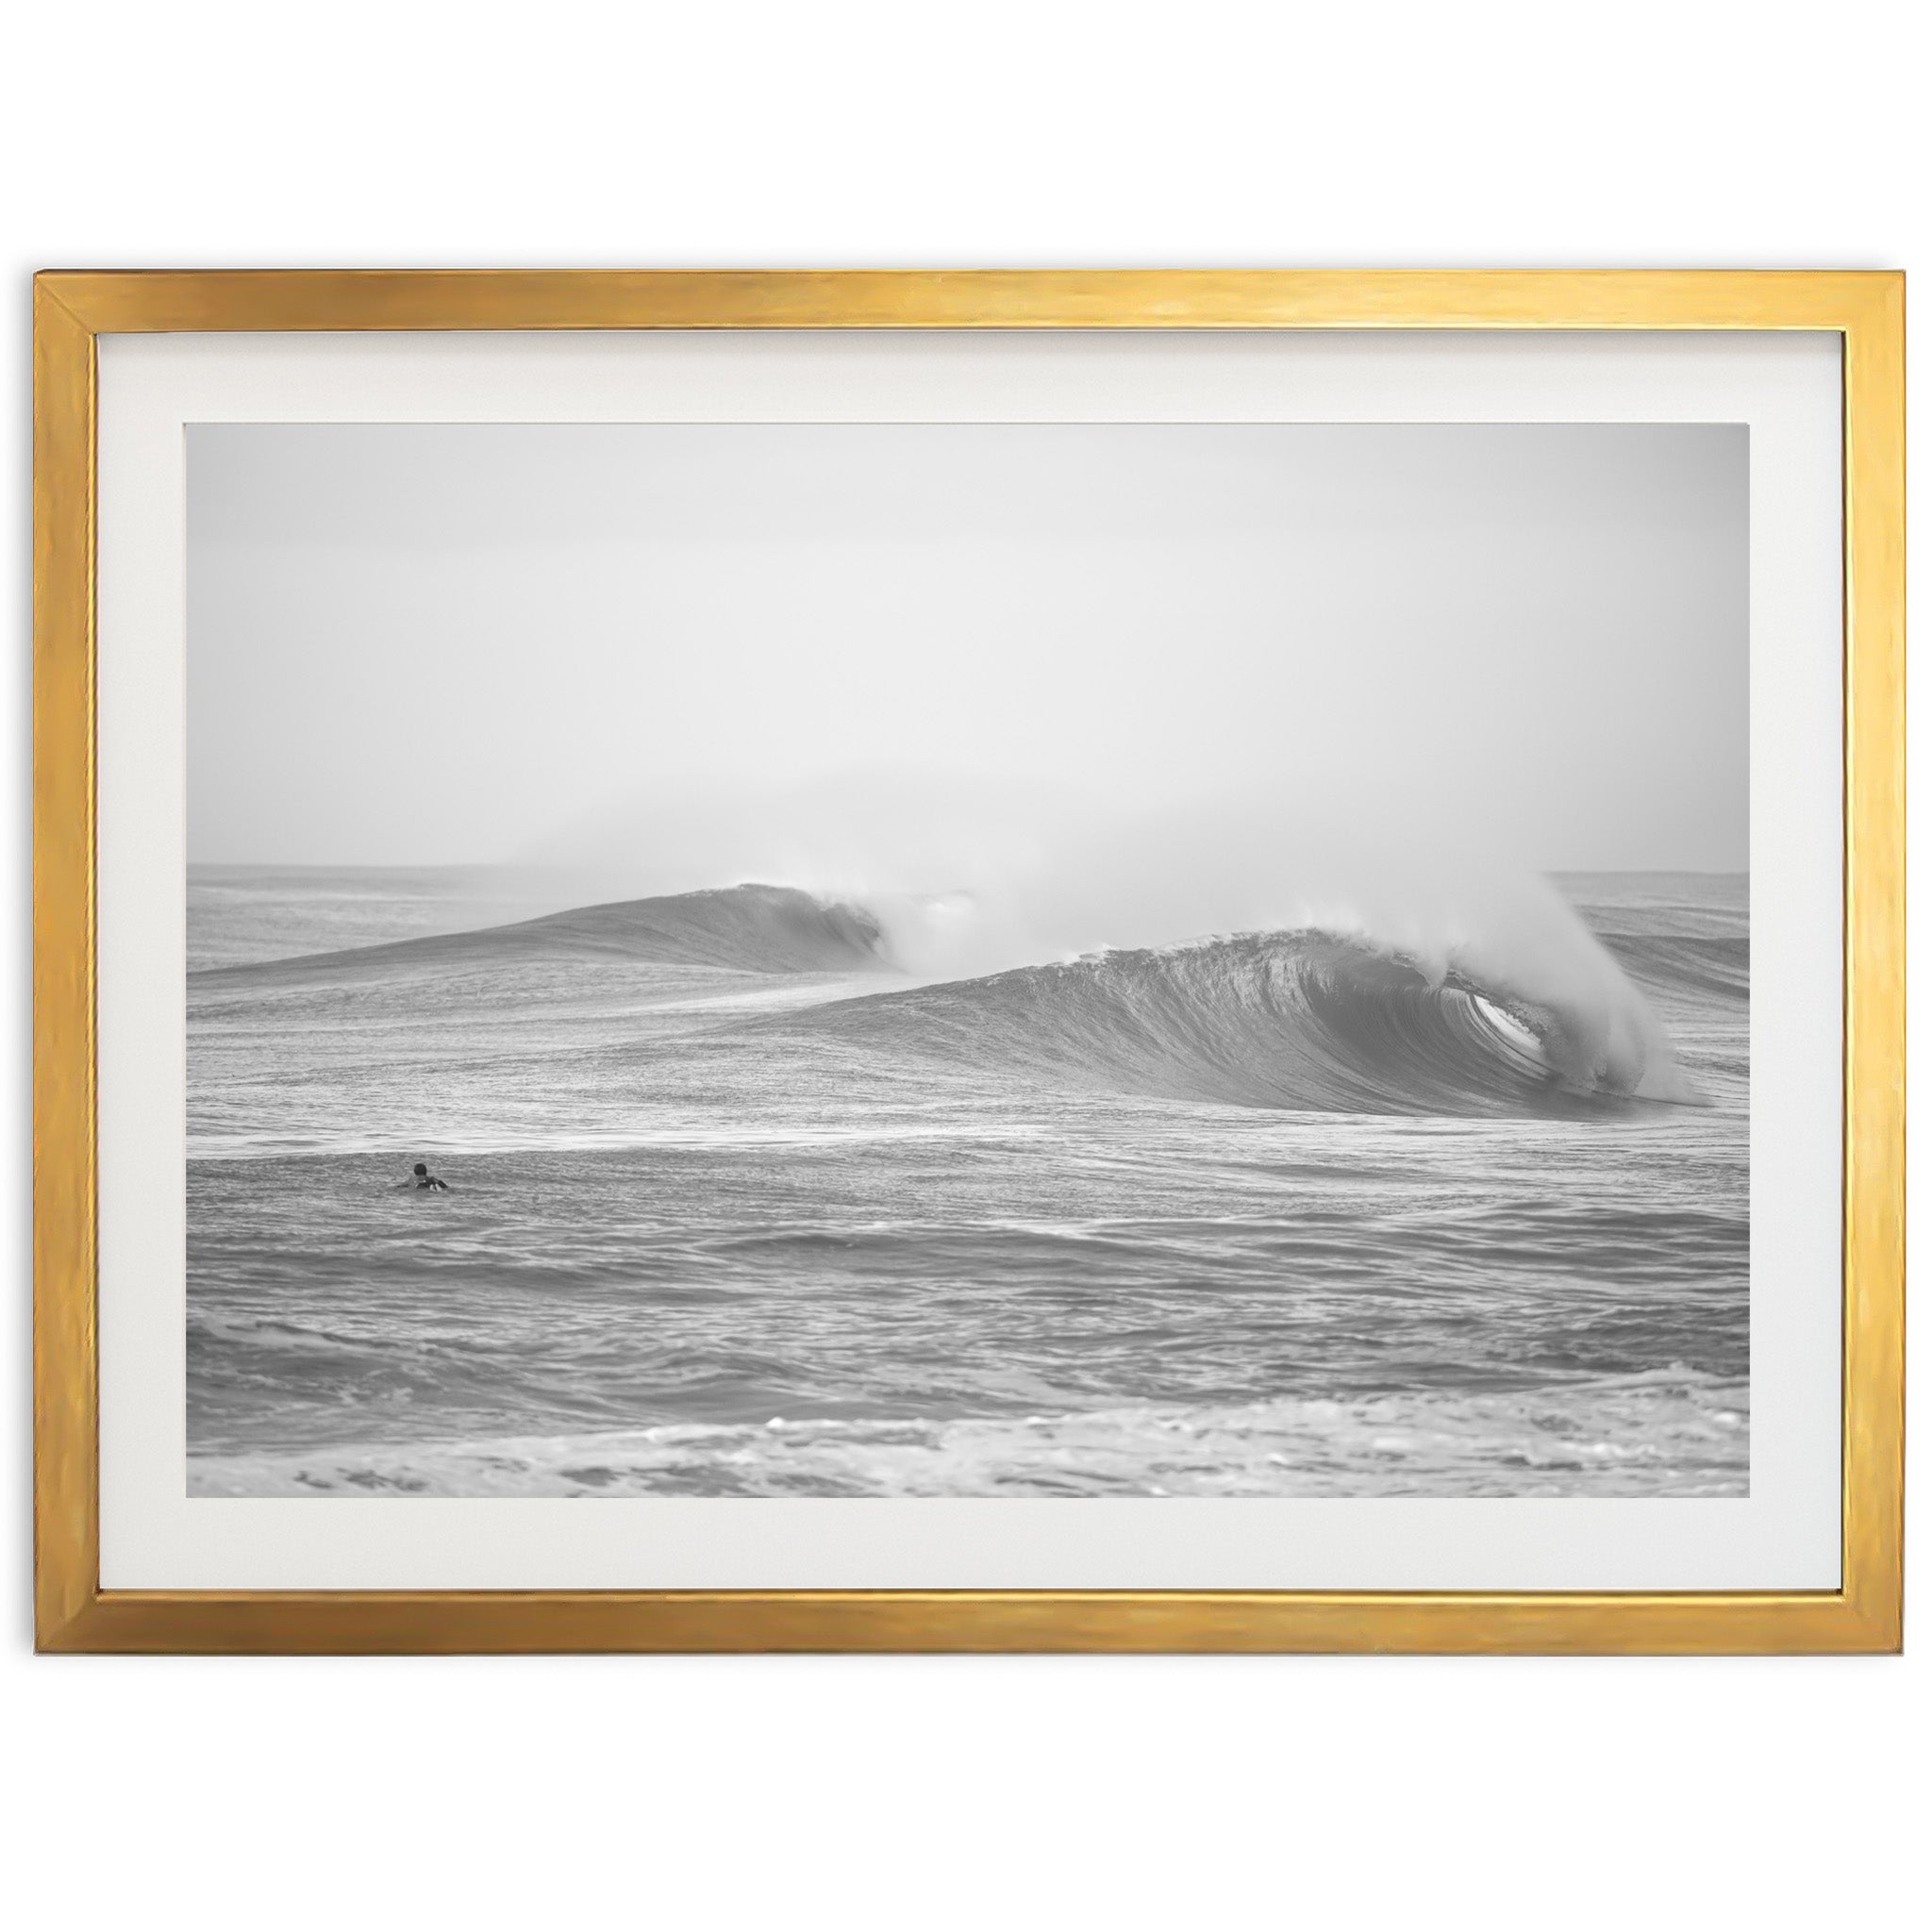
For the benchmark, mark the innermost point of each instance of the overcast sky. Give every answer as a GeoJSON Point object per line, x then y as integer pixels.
{"type": "Point", "coordinates": [682, 651]}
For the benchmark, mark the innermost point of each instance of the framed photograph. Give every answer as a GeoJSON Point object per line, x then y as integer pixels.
{"type": "Point", "coordinates": [982, 962]}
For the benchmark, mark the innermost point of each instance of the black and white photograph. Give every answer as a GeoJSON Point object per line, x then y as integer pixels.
{"type": "Point", "coordinates": [1034, 960]}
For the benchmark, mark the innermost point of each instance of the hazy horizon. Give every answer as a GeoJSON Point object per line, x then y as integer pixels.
{"type": "Point", "coordinates": [902, 658]}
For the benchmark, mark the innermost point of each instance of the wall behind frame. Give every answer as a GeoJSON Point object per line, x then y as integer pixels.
{"type": "Point", "coordinates": [720, 1792]}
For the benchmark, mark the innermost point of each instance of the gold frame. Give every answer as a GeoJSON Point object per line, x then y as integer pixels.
{"type": "Point", "coordinates": [73, 1613]}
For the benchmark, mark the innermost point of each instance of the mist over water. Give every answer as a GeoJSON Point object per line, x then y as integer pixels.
{"type": "Point", "coordinates": [967, 883]}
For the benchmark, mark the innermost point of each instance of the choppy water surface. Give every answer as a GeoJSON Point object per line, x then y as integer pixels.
{"type": "Point", "coordinates": [736, 1208]}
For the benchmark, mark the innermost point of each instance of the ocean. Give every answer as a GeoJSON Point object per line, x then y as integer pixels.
{"type": "Point", "coordinates": [738, 1206]}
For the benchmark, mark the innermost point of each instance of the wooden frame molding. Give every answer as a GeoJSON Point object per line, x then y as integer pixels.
{"type": "Point", "coordinates": [71, 1612]}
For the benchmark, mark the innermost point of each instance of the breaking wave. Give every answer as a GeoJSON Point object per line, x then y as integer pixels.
{"type": "Point", "coordinates": [1305, 1019]}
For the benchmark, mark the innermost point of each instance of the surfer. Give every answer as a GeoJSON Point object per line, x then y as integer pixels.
{"type": "Point", "coordinates": [425, 1179]}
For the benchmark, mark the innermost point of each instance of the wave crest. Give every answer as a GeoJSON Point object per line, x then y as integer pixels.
{"type": "Point", "coordinates": [746, 929]}
{"type": "Point", "coordinates": [1307, 1020]}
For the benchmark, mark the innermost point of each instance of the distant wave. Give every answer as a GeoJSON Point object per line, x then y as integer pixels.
{"type": "Point", "coordinates": [1307, 1020]}
{"type": "Point", "coordinates": [1688, 967]}
{"type": "Point", "coordinates": [749, 928]}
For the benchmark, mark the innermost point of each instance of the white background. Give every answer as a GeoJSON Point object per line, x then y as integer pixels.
{"type": "Point", "coordinates": [914, 1792]}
